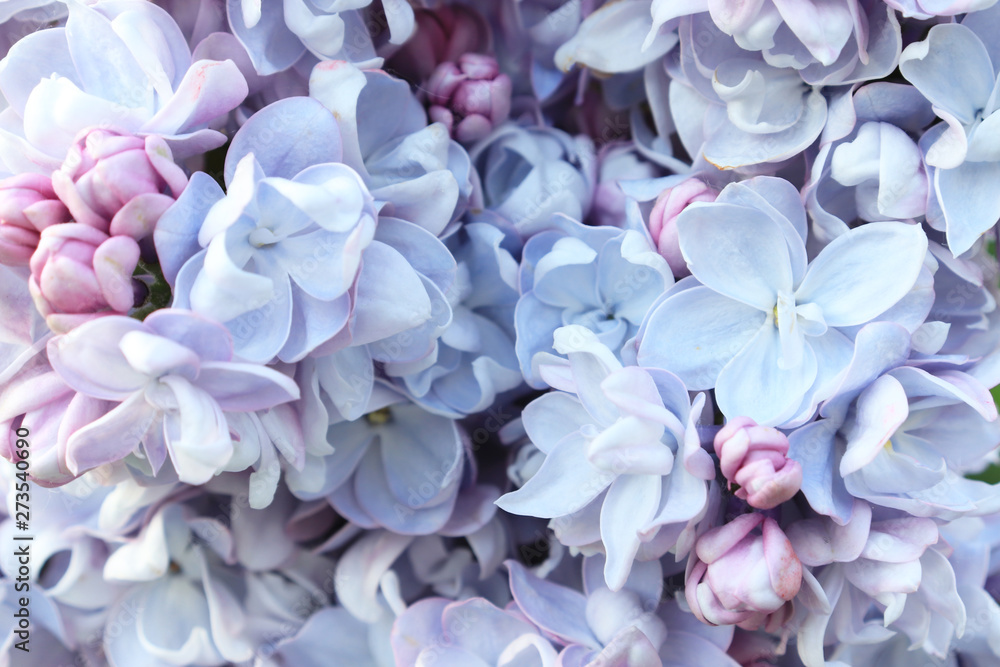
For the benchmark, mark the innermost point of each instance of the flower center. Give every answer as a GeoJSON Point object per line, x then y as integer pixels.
{"type": "Point", "coordinates": [262, 236]}
{"type": "Point", "coordinates": [379, 417]}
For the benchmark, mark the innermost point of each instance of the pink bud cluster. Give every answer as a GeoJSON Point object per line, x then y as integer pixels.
{"type": "Point", "coordinates": [470, 97]}
{"type": "Point", "coordinates": [79, 230]}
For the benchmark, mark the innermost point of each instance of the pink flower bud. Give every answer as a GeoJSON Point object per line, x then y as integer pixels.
{"type": "Point", "coordinates": [479, 67]}
{"type": "Point", "coordinates": [444, 82]}
{"type": "Point", "coordinates": [28, 204]}
{"type": "Point", "coordinates": [79, 273]}
{"type": "Point", "coordinates": [663, 219]}
{"type": "Point", "coordinates": [756, 458]}
{"type": "Point", "coordinates": [118, 183]}
{"type": "Point", "coordinates": [470, 98]}
{"type": "Point", "coordinates": [743, 573]}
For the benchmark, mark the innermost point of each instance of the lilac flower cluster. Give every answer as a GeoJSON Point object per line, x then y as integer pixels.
{"type": "Point", "coordinates": [496, 333]}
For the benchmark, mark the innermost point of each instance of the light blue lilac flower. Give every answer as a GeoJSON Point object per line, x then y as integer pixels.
{"type": "Point", "coordinates": [896, 562]}
{"type": "Point", "coordinates": [471, 632]}
{"type": "Point", "coordinates": [960, 152]}
{"type": "Point", "coordinates": [728, 105]}
{"type": "Point", "coordinates": [602, 278]}
{"type": "Point", "coordinates": [625, 621]}
{"type": "Point", "coordinates": [276, 257]}
{"type": "Point", "coordinates": [626, 444]}
{"type": "Point", "coordinates": [474, 359]}
{"type": "Point", "coordinates": [399, 467]}
{"type": "Point", "coordinates": [413, 169]}
{"type": "Point", "coordinates": [529, 174]}
{"type": "Point", "coordinates": [868, 167]}
{"type": "Point", "coordinates": [763, 311]}
{"type": "Point", "coordinates": [380, 573]}
{"type": "Point", "coordinates": [421, 182]}
{"type": "Point", "coordinates": [375, 571]}
{"type": "Point", "coordinates": [895, 446]}
{"type": "Point", "coordinates": [973, 541]}
{"type": "Point", "coordinates": [817, 37]}
{"type": "Point", "coordinates": [688, 640]}
{"type": "Point", "coordinates": [277, 35]}
{"type": "Point", "coordinates": [965, 304]}
{"type": "Point", "coordinates": [164, 562]}
{"type": "Point", "coordinates": [58, 84]}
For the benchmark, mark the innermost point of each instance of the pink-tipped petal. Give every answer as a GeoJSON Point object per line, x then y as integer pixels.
{"type": "Point", "coordinates": [114, 262]}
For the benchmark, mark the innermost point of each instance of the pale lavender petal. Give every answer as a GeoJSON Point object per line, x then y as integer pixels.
{"type": "Point", "coordinates": [197, 435]}
{"type": "Point", "coordinates": [739, 252]}
{"type": "Point", "coordinates": [245, 387]}
{"type": "Point", "coordinates": [564, 483]}
{"type": "Point", "coordinates": [112, 437]}
{"type": "Point", "coordinates": [89, 360]}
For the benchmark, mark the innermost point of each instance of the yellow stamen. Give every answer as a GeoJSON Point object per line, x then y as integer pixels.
{"type": "Point", "coordinates": [379, 417]}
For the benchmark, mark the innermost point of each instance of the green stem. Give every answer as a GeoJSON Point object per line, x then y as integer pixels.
{"type": "Point", "coordinates": [159, 291]}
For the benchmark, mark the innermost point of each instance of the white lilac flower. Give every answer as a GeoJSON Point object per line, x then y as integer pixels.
{"type": "Point", "coordinates": [622, 440]}
{"type": "Point", "coordinates": [57, 84]}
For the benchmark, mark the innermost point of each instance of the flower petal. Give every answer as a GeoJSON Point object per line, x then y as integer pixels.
{"type": "Point", "coordinates": [286, 137]}
{"type": "Point", "coordinates": [632, 501]}
{"type": "Point", "coordinates": [970, 203]}
{"type": "Point", "coordinates": [564, 483]}
{"type": "Point", "coordinates": [864, 272]}
{"type": "Point", "coordinates": [556, 609]}
{"type": "Point", "coordinates": [776, 392]}
{"type": "Point", "coordinates": [881, 409]}
{"type": "Point", "coordinates": [695, 333]}
{"type": "Point", "coordinates": [197, 435]}
{"type": "Point", "coordinates": [931, 66]}
{"type": "Point", "coordinates": [89, 360]}
{"type": "Point", "coordinates": [112, 437]}
{"type": "Point", "coordinates": [737, 251]}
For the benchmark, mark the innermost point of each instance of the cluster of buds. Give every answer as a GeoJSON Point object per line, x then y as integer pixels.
{"type": "Point", "coordinates": [470, 98]}
{"type": "Point", "coordinates": [79, 231]}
